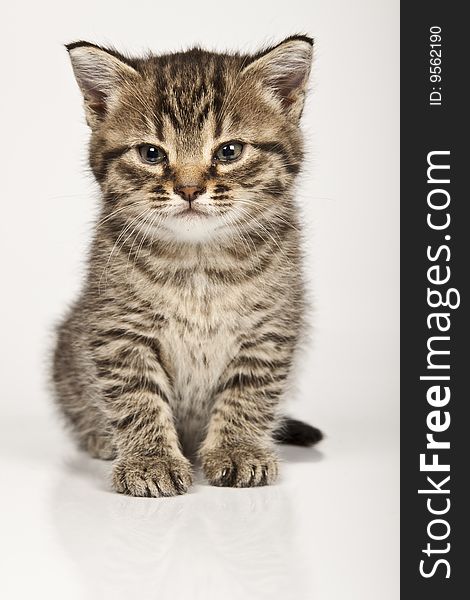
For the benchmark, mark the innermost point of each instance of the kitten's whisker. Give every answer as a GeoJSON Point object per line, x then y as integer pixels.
{"type": "Point", "coordinates": [154, 220]}
{"type": "Point", "coordinates": [118, 210]}
{"type": "Point", "coordinates": [232, 223]}
{"type": "Point", "coordinates": [147, 215]}
{"type": "Point", "coordinates": [246, 239]}
{"type": "Point", "coordinates": [260, 225]}
{"type": "Point", "coordinates": [121, 234]}
{"type": "Point", "coordinates": [276, 215]}
{"type": "Point", "coordinates": [137, 227]}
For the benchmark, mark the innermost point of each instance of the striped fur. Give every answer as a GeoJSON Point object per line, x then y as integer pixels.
{"type": "Point", "coordinates": [183, 335]}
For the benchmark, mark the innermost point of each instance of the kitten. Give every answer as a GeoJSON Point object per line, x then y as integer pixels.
{"type": "Point", "coordinates": [184, 333]}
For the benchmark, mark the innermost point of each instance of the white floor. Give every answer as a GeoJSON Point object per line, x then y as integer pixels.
{"type": "Point", "coordinates": [328, 530]}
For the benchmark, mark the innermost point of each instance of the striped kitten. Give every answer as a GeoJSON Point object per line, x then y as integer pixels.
{"type": "Point", "coordinates": [184, 333]}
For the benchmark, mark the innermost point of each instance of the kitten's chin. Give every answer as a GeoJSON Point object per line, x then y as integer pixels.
{"type": "Point", "coordinates": [192, 228]}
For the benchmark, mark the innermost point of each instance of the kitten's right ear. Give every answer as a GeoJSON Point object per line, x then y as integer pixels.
{"type": "Point", "coordinates": [99, 73]}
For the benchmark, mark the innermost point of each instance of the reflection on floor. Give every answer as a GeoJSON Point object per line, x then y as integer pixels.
{"type": "Point", "coordinates": [310, 536]}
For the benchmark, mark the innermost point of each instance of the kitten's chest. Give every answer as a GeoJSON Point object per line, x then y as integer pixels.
{"type": "Point", "coordinates": [198, 360]}
{"type": "Point", "coordinates": [201, 337]}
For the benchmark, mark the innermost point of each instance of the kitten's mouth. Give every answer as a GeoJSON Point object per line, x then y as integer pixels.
{"type": "Point", "coordinates": [191, 213]}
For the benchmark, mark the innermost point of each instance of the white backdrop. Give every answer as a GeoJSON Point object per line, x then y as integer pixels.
{"type": "Point", "coordinates": [349, 193]}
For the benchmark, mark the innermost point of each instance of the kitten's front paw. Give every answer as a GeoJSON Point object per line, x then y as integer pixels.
{"type": "Point", "coordinates": [241, 466]}
{"type": "Point", "coordinates": [152, 476]}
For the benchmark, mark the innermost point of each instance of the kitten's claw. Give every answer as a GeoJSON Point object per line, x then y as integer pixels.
{"type": "Point", "coordinates": [246, 466]}
{"type": "Point", "coordinates": [152, 476]}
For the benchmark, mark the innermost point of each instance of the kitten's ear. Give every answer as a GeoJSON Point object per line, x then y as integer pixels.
{"type": "Point", "coordinates": [284, 69]}
{"type": "Point", "coordinates": [99, 72]}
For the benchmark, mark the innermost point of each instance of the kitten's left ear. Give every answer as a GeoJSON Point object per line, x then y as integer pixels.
{"type": "Point", "coordinates": [285, 69]}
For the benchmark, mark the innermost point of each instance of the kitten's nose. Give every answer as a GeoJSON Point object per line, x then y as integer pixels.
{"type": "Point", "coordinates": [189, 192]}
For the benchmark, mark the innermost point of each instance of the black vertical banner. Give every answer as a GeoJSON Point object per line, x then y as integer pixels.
{"type": "Point", "coordinates": [435, 270]}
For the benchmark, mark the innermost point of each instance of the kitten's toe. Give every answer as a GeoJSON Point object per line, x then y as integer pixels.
{"type": "Point", "coordinates": [152, 476]}
{"type": "Point", "coordinates": [245, 466]}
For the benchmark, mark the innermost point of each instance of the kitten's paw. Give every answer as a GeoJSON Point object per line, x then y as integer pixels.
{"type": "Point", "coordinates": [241, 466]}
{"type": "Point", "coordinates": [152, 476]}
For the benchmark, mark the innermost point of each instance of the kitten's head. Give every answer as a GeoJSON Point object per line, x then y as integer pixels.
{"type": "Point", "coordinates": [195, 145]}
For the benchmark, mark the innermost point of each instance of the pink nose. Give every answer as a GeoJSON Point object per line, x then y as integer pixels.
{"type": "Point", "coordinates": [189, 192]}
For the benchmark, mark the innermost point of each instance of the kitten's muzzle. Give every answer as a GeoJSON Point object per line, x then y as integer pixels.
{"type": "Point", "coordinates": [189, 192]}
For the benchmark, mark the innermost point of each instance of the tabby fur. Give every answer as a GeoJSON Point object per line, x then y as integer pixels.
{"type": "Point", "coordinates": [182, 339]}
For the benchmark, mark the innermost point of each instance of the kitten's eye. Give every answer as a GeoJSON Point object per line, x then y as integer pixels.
{"type": "Point", "coordinates": [151, 154]}
{"type": "Point", "coordinates": [229, 151]}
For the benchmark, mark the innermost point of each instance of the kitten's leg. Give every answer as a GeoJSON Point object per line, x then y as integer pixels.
{"type": "Point", "coordinates": [71, 378]}
{"type": "Point", "coordinates": [100, 446]}
{"type": "Point", "coordinates": [135, 391]}
{"type": "Point", "coordinates": [239, 450]}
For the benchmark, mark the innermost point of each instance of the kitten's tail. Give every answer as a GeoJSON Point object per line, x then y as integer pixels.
{"type": "Point", "coordinates": [297, 433]}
